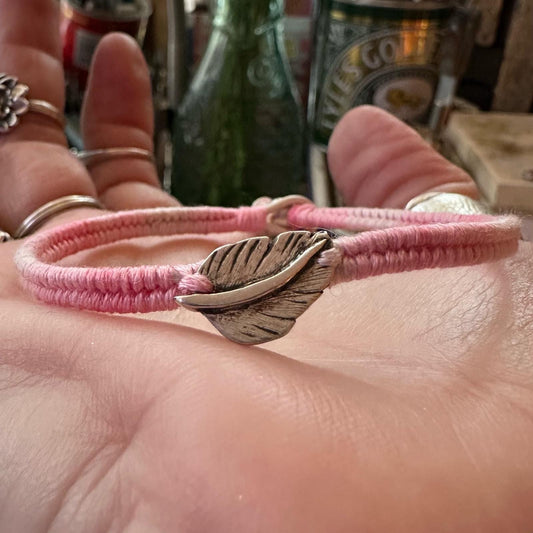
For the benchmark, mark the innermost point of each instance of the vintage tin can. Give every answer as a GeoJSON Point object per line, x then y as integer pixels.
{"type": "Point", "coordinates": [84, 23]}
{"type": "Point", "coordinates": [380, 52]}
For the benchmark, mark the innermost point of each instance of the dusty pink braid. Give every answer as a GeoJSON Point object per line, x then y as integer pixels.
{"type": "Point", "coordinates": [390, 241]}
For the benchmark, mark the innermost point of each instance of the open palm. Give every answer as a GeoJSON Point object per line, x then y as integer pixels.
{"type": "Point", "coordinates": [399, 403]}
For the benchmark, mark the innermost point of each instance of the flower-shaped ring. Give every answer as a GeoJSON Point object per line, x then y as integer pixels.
{"type": "Point", "coordinates": [13, 104]}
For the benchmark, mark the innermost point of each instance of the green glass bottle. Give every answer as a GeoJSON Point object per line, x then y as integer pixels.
{"type": "Point", "coordinates": [239, 132]}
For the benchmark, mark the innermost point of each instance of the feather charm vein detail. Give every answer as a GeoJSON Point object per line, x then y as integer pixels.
{"type": "Point", "coordinates": [262, 285]}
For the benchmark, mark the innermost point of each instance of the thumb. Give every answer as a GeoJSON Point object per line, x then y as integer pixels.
{"type": "Point", "coordinates": [377, 160]}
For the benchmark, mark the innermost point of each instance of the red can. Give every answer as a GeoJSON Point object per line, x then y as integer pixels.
{"type": "Point", "coordinates": [82, 28]}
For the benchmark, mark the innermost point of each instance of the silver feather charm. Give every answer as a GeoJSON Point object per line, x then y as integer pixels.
{"type": "Point", "coordinates": [262, 285]}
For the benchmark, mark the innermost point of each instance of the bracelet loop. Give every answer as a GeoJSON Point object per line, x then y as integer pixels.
{"type": "Point", "coordinates": [281, 276]}
{"type": "Point", "coordinates": [277, 210]}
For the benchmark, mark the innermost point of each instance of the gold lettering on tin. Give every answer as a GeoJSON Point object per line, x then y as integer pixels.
{"type": "Point", "coordinates": [362, 60]}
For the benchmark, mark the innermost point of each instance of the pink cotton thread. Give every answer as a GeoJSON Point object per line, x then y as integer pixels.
{"type": "Point", "coordinates": [124, 289]}
{"type": "Point", "coordinates": [419, 240]}
{"type": "Point", "coordinates": [392, 241]}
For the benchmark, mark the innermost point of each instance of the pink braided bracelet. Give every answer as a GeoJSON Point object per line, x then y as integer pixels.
{"type": "Point", "coordinates": [252, 291]}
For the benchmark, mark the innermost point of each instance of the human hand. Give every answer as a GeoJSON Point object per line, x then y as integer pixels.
{"type": "Point", "coordinates": [399, 403]}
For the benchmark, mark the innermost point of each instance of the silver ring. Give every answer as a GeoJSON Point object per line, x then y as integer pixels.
{"type": "Point", "coordinates": [13, 104]}
{"type": "Point", "coordinates": [51, 209]}
{"type": "Point", "coordinates": [5, 236]}
{"type": "Point", "coordinates": [445, 202]}
{"type": "Point", "coordinates": [94, 157]}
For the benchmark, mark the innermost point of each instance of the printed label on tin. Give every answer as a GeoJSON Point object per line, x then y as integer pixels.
{"type": "Point", "coordinates": [408, 98]}
{"type": "Point", "coordinates": [391, 67]}
{"type": "Point", "coordinates": [85, 44]}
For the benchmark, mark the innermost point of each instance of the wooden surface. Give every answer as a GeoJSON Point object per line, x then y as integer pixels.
{"type": "Point", "coordinates": [490, 20]}
{"type": "Point", "coordinates": [514, 90]}
{"type": "Point", "coordinates": [497, 150]}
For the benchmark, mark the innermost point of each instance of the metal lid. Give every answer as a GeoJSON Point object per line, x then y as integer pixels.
{"type": "Point", "coordinates": [115, 10]}
{"type": "Point", "coordinates": [404, 4]}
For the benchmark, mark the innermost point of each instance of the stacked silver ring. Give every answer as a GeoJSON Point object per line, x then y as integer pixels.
{"type": "Point", "coordinates": [92, 158]}
{"type": "Point", "coordinates": [13, 104]}
{"type": "Point", "coordinates": [51, 209]}
{"type": "Point", "coordinates": [446, 202]}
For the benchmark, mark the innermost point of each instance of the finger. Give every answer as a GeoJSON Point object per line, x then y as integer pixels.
{"type": "Point", "coordinates": [118, 113]}
{"type": "Point", "coordinates": [377, 160]}
{"type": "Point", "coordinates": [35, 166]}
{"type": "Point", "coordinates": [30, 50]}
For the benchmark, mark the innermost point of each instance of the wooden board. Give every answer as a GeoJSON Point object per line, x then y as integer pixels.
{"type": "Point", "coordinates": [514, 90]}
{"type": "Point", "coordinates": [496, 149]}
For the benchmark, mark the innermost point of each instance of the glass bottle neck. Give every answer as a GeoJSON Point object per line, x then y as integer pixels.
{"type": "Point", "coordinates": [247, 17]}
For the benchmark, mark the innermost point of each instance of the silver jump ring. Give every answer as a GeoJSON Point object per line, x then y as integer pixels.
{"type": "Point", "coordinates": [446, 202]}
{"type": "Point", "coordinates": [51, 209]}
{"type": "Point", "coordinates": [94, 157]}
{"type": "Point", "coordinates": [13, 104]}
{"type": "Point", "coordinates": [5, 236]}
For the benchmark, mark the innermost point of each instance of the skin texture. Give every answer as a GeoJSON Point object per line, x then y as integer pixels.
{"type": "Point", "coordinates": [402, 403]}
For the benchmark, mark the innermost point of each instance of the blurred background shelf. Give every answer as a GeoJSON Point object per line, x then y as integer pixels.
{"type": "Point", "coordinates": [497, 151]}
{"type": "Point", "coordinates": [500, 74]}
